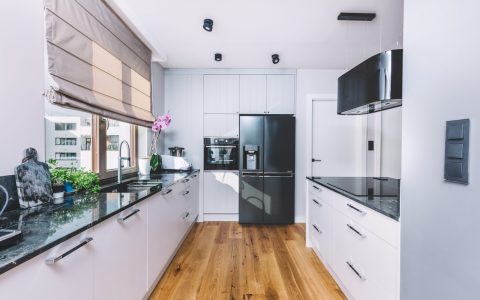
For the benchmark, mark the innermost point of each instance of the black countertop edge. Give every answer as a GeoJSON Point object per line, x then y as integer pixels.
{"type": "Point", "coordinates": [393, 216]}
{"type": "Point", "coordinates": [40, 250]}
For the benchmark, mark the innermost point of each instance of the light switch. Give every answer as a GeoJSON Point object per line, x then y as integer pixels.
{"type": "Point", "coordinates": [457, 140]}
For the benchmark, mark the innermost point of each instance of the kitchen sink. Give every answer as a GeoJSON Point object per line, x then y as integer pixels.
{"type": "Point", "coordinates": [131, 186]}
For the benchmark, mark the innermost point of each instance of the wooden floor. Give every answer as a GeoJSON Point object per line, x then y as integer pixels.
{"type": "Point", "coordinates": [226, 260]}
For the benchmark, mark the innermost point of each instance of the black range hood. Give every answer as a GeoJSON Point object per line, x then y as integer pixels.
{"type": "Point", "coordinates": [373, 85]}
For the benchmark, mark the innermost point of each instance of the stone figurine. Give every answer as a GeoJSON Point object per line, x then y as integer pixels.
{"type": "Point", "coordinates": [34, 184]}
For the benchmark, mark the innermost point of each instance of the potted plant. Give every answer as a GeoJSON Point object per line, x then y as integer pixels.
{"type": "Point", "coordinates": [58, 176]}
{"type": "Point", "coordinates": [85, 181]}
{"type": "Point", "coordinates": [159, 124]}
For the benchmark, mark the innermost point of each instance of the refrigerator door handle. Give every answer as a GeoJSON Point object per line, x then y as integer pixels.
{"type": "Point", "coordinates": [252, 174]}
{"type": "Point", "coordinates": [279, 174]}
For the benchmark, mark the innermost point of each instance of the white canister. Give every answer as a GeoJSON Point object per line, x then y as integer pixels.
{"type": "Point", "coordinates": [144, 166]}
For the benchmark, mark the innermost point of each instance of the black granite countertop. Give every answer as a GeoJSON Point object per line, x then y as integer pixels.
{"type": "Point", "coordinates": [385, 199]}
{"type": "Point", "coordinates": [48, 225]}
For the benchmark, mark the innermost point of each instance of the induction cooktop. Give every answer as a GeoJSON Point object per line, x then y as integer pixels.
{"type": "Point", "coordinates": [366, 186]}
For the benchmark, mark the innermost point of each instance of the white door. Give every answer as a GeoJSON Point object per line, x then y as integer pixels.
{"type": "Point", "coordinates": [253, 94]}
{"type": "Point", "coordinates": [121, 255]}
{"type": "Point", "coordinates": [70, 277]}
{"type": "Point", "coordinates": [220, 192]}
{"type": "Point", "coordinates": [281, 94]}
{"type": "Point", "coordinates": [221, 94]}
{"type": "Point", "coordinates": [337, 142]}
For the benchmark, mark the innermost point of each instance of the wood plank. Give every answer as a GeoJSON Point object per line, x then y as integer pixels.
{"type": "Point", "coordinates": [226, 260]}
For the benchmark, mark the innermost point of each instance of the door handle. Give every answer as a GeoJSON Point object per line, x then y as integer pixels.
{"type": "Point", "coordinates": [123, 219]}
{"type": "Point", "coordinates": [362, 277]}
{"type": "Point", "coordinates": [53, 260]}
{"type": "Point", "coordinates": [316, 160]}
{"type": "Point", "coordinates": [357, 209]}
{"type": "Point", "coordinates": [356, 231]}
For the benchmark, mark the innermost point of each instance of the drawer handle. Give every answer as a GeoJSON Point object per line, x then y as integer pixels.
{"type": "Point", "coordinates": [186, 193]}
{"type": "Point", "coordinates": [186, 215]}
{"type": "Point", "coordinates": [357, 210]}
{"type": "Point", "coordinates": [356, 231]}
{"type": "Point", "coordinates": [316, 228]}
{"type": "Point", "coordinates": [356, 272]}
{"type": "Point", "coordinates": [123, 219]}
{"type": "Point", "coordinates": [53, 260]}
{"type": "Point", "coordinates": [167, 192]}
{"type": "Point", "coordinates": [185, 180]}
{"type": "Point", "coordinates": [317, 203]}
{"type": "Point", "coordinates": [193, 176]}
{"type": "Point", "coordinates": [316, 187]}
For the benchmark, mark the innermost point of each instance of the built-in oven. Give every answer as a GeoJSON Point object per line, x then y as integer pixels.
{"type": "Point", "coordinates": [220, 153]}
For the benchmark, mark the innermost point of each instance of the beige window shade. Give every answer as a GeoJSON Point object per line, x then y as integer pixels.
{"type": "Point", "coordinates": [97, 64]}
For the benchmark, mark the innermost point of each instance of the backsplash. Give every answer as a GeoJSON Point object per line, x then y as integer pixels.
{"type": "Point", "coordinates": [9, 183]}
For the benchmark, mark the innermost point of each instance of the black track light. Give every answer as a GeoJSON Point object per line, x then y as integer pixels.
{"type": "Point", "coordinates": [275, 59]}
{"type": "Point", "coordinates": [218, 56]}
{"type": "Point", "coordinates": [208, 25]}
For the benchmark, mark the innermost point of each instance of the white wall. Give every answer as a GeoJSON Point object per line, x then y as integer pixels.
{"type": "Point", "coordinates": [440, 221]}
{"type": "Point", "coordinates": [309, 81]}
{"type": "Point", "coordinates": [21, 81]}
{"type": "Point", "coordinates": [391, 148]}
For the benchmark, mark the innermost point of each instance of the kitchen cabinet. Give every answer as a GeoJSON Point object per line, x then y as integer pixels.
{"type": "Point", "coordinates": [253, 94]}
{"type": "Point", "coordinates": [221, 125]}
{"type": "Point", "coordinates": [358, 245]}
{"type": "Point", "coordinates": [221, 94]}
{"type": "Point", "coordinates": [221, 192]}
{"type": "Point", "coordinates": [70, 277]}
{"type": "Point", "coordinates": [120, 254]}
{"type": "Point", "coordinates": [281, 94]}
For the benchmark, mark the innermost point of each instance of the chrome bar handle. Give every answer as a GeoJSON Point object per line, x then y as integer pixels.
{"type": "Point", "coordinates": [186, 215]}
{"type": "Point", "coordinates": [167, 192]}
{"type": "Point", "coordinates": [362, 277]}
{"type": "Point", "coordinates": [185, 180]}
{"type": "Point", "coordinates": [123, 219]}
{"type": "Point", "coordinates": [357, 209]}
{"type": "Point", "coordinates": [186, 193]}
{"type": "Point", "coordinates": [53, 260]}
{"type": "Point", "coordinates": [317, 203]}
{"type": "Point", "coordinates": [316, 187]}
{"type": "Point", "coordinates": [316, 228]}
{"type": "Point", "coordinates": [356, 231]}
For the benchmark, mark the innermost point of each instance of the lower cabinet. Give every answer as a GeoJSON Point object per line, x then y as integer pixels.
{"type": "Point", "coordinates": [122, 257]}
{"type": "Point", "coordinates": [365, 259]}
{"type": "Point", "coordinates": [120, 254]}
{"type": "Point", "coordinates": [49, 276]}
{"type": "Point", "coordinates": [220, 190]}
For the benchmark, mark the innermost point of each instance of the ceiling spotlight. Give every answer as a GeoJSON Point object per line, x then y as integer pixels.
{"type": "Point", "coordinates": [208, 25]}
{"type": "Point", "coordinates": [275, 59]}
{"type": "Point", "coordinates": [218, 56]}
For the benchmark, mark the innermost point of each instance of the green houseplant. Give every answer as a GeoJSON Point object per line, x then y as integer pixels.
{"type": "Point", "coordinates": [73, 179]}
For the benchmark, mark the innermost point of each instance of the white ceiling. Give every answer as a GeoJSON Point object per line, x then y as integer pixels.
{"type": "Point", "coordinates": [305, 33]}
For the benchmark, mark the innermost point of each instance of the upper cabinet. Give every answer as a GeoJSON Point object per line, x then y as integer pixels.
{"type": "Point", "coordinates": [221, 94]}
{"type": "Point", "coordinates": [253, 94]}
{"type": "Point", "coordinates": [280, 94]}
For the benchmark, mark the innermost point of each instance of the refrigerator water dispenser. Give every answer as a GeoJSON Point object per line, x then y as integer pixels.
{"type": "Point", "coordinates": [251, 157]}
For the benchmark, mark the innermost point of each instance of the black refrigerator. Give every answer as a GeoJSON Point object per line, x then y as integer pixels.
{"type": "Point", "coordinates": [267, 169]}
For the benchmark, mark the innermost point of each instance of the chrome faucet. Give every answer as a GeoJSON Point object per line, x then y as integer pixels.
{"type": "Point", "coordinates": [121, 159]}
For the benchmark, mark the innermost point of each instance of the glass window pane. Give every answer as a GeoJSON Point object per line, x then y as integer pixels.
{"type": "Point", "coordinates": [116, 133]}
{"type": "Point", "coordinates": [65, 131]}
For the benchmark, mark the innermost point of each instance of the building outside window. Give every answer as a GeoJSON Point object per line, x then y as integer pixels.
{"type": "Point", "coordinates": [112, 142]}
{"type": "Point", "coordinates": [86, 143]}
{"type": "Point", "coordinates": [65, 155]}
{"type": "Point", "coordinates": [66, 141]}
{"type": "Point", "coordinates": [65, 126]}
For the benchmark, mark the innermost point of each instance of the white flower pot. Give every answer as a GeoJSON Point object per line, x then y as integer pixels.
{"type": "Point", "coordinates": [144, 166]}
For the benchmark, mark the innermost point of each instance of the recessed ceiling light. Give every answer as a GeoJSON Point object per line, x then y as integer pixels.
{"type": "Point", "coordinates": [346, 16]}
{"type": "Point", "coordinates": [275, 59]}
{"type": "Point", "coordinates": [218, 56]}
{"type": "Point", "coordinates": [208, 25]}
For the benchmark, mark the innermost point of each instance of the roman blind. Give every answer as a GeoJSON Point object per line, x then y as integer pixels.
{"type": "Point", "coordinates": [96, 63]}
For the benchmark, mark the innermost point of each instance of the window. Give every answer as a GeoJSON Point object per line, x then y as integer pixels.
{"type": "Point", "coordinates": [81, 140]}
{"type": "Point", "coordinates": [66, 141]}
{"type": "Point", "coordinates": [65, 126]}
{"type": "Point", "coordinates": [65, 155]}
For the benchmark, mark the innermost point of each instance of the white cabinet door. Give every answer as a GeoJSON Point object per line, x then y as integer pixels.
{"type": "Point", "coordinates": [281, 94]}
{"type": "Point", "coordinates": [121, 255]}
{"type": "Point", "coordinates": [253, 94]}
{"type": "Point", "coordinates": [221, 94]}
{"type": "Point", "coordinates": [70, 277]}
{"type": "Point", "coordinates": [220, 192]}
{"type": "Point", "coordinates": [221, 125]}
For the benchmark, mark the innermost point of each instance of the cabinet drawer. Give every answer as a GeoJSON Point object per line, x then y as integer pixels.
{"type": "Point", "coordinates": [321, 193]}
{"type": "Point", "coordinates": [370, 268]}
{"type": "Point", "coordinates": [383, 226]}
